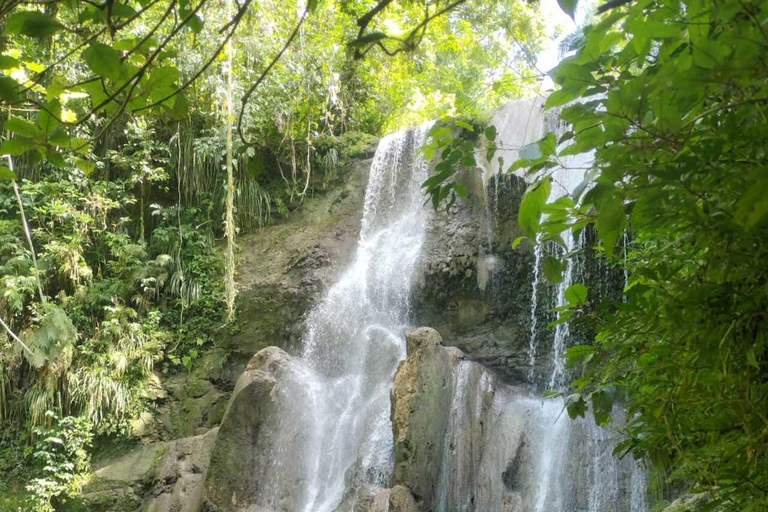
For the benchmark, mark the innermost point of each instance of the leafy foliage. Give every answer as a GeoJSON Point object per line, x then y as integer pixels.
{"type": "Point", "coordinates": [61, 452]}
{"type": "Point", "coordinates": [671, 99]}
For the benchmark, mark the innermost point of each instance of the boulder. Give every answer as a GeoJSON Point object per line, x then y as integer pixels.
{"type": "Point", "coordinates": [689, 503]}
{"type": "Point", "coordinates": [245, 435]}
{"type": "Point", "coordinates": [401, 500]}
{"type": "Point", "coordinates": [396, 499]}
{"type": "Point", "coordinates": [118, 483]}
{"type": "Point", "coordinates": [178, 482]}
{"type": "Point", "coordinates": [421, 398]}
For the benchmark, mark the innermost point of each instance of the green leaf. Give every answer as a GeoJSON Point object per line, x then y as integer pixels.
{"type": "Point", "coordinates": [563, 96]}
{"type": "Point", "coordinates": [48, 119]}
{"type": "Point", "coordinates": [104, 61]}
{"type": "Point", "coordinates": [9, 89]}
{"type": "Point", "coordinates": [517, 241]}
{"type": "Point", "coordinates": [6, 173]}
{"type": "Point", "coordinates": [576, 294]}
{"type": "Point", "coordinates": [16, 147]}
{"type": "Point", "coordinates": [490, 133]}
{"type": "Point", "coordinates": [531, 205]}
{"type": "Point", "coordinates": [553, 269]}
{"type": "Point", "coordinates": [22, 127]}
{"type": "Point", "coordinates": [751, 359]}
{"type": "Point", "coordinates": [465, 125]}
{"type": "Point", "coordinates": [568, 7]}
{"type": "Point", "coordinates": [8, 62]}
{"type": "Point", "coordinates": [32, 24]}
{"type": "Point", "coordinates": [180, 106]}
{"type": "Point", "coordinates": [611, 222]}
{"type": "Point", "coordinates": [576, 406]}
{"type": "Point", "coordinates": [752, 207]}
{"type": "Point", "coordinates": [579, 353]}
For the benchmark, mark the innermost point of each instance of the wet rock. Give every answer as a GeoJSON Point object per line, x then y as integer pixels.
{"type": "Point", "coordinates": [178, 481]}
{"type": "Point", "coordinates": [421, 397]}
{"type": "Point", "coordinates": [474, 288]}
{"type": "Point", "coordinates": [401, 500]}
{"type": "Point", "coordinates": [689, 503]}
{"type": "Point", "coordinates": [396, 499]}
{"type": "Point", "coordinates": [243, 438]}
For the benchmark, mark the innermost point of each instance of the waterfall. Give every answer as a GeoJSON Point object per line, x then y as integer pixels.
{"type": "Point", "coordinates": [571, 466]}
{"type": "Point", "coordinates": [335, 433]}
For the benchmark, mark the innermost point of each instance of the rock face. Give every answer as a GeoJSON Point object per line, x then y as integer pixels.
{"type": "Point", "coordinates": [243, 438]}
{"type": "Point", "coordinates": [158, 477]}
{"type": "Point", "coordinates": [461, 435]}
{"type": "Point", "coordinates": [475, 289]}
{"type": "Point", "coordinates": [284, 268]}
{"type": "Point", "coordinates": [118, 484]}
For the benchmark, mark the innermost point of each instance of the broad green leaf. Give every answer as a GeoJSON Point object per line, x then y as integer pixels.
{"type": "Point", "coordinates": [465, 125]}
{"type": "Point", "coordinates": [22, 127]}
{"type": "Point", "coordinates": [32, 24]}
{"type": "Point", "coordinates": [568, 7]}
{"type": "Point", "coordinates": [48, 119]}
{"type": "Point", "coordinates": [563, 96]}
{"type": "Point", "coordinates": [576, 406]}
{"type": "Point", "coordinates": [576, 294]}
{"type": "Point", "coordinates": [8, 62]}
{"type": "Point", "coordinates": [6, 173]}
{"type": "Point", "coordinates": [16, 147]}
{"type": "Point", "coordinates": [578, 353]}
{"type": "Point", "coordinates": [9, 89]}
{"type": "Point", "coordinates": [611, 222]}
{"type": "Point", "coordinates": [553, 269]}
{"type": "Point", "coordinates": [180, 106]}
{"type": "Point", "coordinates": [531, 205]}
{"type": "Point", "coordinates": [490, 133]}
{"type": "Point", "coordinates": [104, 61]}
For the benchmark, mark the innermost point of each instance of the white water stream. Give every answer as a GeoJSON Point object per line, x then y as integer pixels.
{"type": "Point", "coordinates": [338, 434]}
{"type": "Point", "coordinates": [503, 449]}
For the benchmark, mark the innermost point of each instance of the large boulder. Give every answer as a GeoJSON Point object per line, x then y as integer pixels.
{"type": "Point", "coordinates": [461, 435]}
{"type": "Point", "coordinates": [178, 482]}
{"type": "Point", "coordinates": [230, 482]}
{"type": "Point", "coordinates": [396, 499]}
{"type": "Point", "coordinates": [118, 483]}
{"type": "Point", "coordinates": [253, 438]}
{"type": "Point", "coordinates": [421, 398]}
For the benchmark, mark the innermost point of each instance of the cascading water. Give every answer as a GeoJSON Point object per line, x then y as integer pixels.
{"type": "Point", "coordinates": [335, 433]}
{"type": "Point", "coordinates": [503, 449]}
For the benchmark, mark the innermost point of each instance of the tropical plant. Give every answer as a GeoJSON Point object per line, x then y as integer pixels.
{"type": "Point", "coordinates": [670, 99]}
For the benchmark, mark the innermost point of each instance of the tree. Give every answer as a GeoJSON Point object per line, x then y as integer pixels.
{"type": "Point", "coordinates": [671, 98]}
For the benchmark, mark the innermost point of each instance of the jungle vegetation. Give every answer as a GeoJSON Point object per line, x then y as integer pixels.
{"type": "Point", "coordinates": [142, 137]}
{"type": "Point", "coordinates": [672, 98]}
